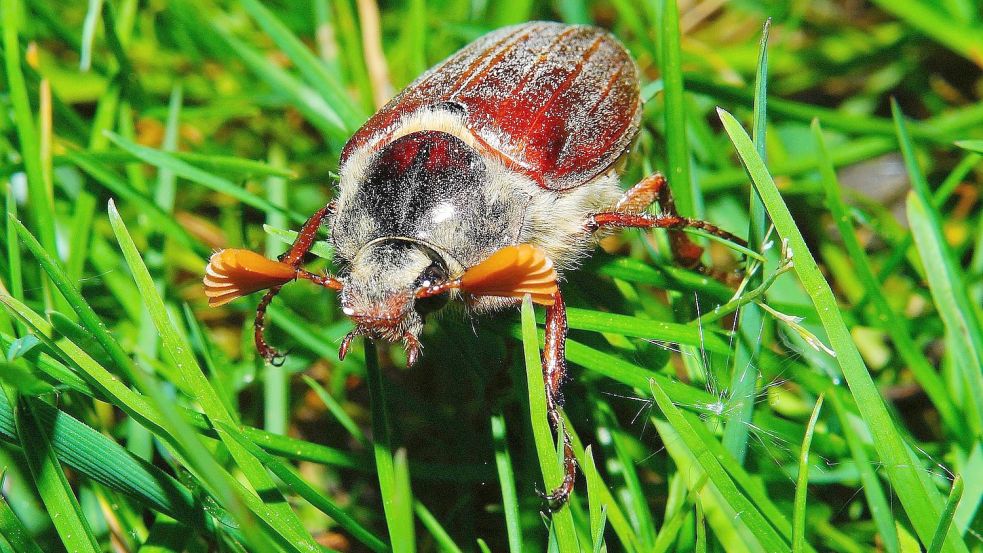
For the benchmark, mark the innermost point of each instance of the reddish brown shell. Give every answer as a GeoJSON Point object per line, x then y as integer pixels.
{"type": "Point", "coordinates": [558, 103]}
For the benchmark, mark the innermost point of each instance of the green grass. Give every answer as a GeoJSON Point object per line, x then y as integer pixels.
{"type": "Point", "coordinates": [135, 418]}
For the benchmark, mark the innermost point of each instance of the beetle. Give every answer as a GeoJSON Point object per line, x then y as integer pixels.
{"type": "Point", "coordinates": [482, 181]}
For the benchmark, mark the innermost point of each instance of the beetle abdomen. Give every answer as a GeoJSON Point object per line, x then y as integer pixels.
{"type": "Point", "coordinates": [557, 103]}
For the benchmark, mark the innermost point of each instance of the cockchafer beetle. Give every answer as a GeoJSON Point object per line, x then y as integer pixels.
{"type": "Point", "coordinates": [481, 181]}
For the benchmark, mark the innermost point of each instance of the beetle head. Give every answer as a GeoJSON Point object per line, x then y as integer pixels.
{"type": "Point", "coordinates": [380, 291]}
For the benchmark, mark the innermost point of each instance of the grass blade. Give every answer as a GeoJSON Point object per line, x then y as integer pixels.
{"type": "Point", "coordinates": [56, 492]}
{"type": "Point", "coordinates": [877, 501]}
{"type": "Point", "coordinates": [888, 319]}
{"type": "Point", "coordinates": [677, 147]}
{"type": "Point", "coordinates": [750, 515]}
{"type": "Point", "coordinates": [546, 448]}
{"type": "Point", "coordinates": [185, 170]}
{"type": "Point", "coordinates": [181, 356]}
{"type": "Point", "coordinates": [918, 496]}
{"type": "Point", "coordinates": [13, 530]}
{"type": "Point", "coordinates": [400, 534]}
{"type": "Point", "coordinates": [963, 326]}
{"type": "Point", "coordinates": [320, 501]}
{"type": "Point", "coordinates": [506, 480]}
{"type": "Point", "coordinates": [744, 374]}
{"type": "Point", "coordinates": [945, 521]}
{"type": "Point", "coordinates": [802, 483]}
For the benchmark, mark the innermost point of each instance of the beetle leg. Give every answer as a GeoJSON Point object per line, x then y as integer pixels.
{"type": "Point", "coordinates": [265, 350]}
{"type": "Point", "coordinates": [554, 374]}
{"type": "Point", "coordinates": [639, 197]}
{"type": "Point", "coordinates": [629, 212]}
{"type": "Point", "coordinates": [293, 257]}
{"type": "Point", "coordinates": [306, 236]}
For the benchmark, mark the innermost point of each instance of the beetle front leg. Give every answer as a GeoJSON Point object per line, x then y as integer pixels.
{"type": "Point", "coordinates": [306, 236]}
{"type": "Point", "coordinates": [293, 257]}
{"type": "Point", "coordinates": [554, 374]}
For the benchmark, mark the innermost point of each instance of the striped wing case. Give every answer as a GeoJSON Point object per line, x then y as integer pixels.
{"type": "Point", "coordinates": [555, 102]}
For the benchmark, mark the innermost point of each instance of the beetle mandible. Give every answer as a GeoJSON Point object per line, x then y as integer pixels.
{"type": "Point", "coordinates": [481, 181]}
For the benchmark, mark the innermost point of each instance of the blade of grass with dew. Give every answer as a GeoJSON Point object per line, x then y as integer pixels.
{"type": "Point", "coordinates": [319, 500]}
{"type": "Point", "coordinates": [750, 516]}
{"type": "Point", "coordinates": [802, 483]}
{"type": "Point", "coordinates": [888, 320]}
{"type": "Point", "coordinates": [185, 170]}
{"type": "Point", "coordinates": [919, 498]}
{"type": "Point", "coordinates": [877, 502]}
{"type": "Point", "coordinates": [93, 454]}
{"type": "Point", "coordinates": [400, 537]}
{"type": "Point", "coordinates": [18, 537]}
{"type": "Point", "coordinates": [562, 521]}
{"type": "Point", "coordinates": [181, 357]}
{"type": "Point", "coordinates": [49, 478]}
{"type": "Point", "coordinates": [506, 481]}
{"type": "Point", "coordinates": [744, 372]}
{"type": "Point", "coordinates": [962, 322]}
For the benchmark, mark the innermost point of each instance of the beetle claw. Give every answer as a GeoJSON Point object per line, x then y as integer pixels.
{"type": "Point", "coordinates": [347, 342]}
{"type": "Point", "coordinates": [413, 348]}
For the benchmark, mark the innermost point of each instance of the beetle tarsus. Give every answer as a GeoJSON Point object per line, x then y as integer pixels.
{"type": "Point", "coordinates": [347, 342]}
{"type": "Point", "coordinates": [554, 374]}
{"type": "Point", "coordinates": [266, 351]}
{"type": "Point", "coordinates": [413, 348]}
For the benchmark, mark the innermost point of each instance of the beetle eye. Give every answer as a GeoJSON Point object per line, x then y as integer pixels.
{"type": "Point", "coordinates": [432, 275]}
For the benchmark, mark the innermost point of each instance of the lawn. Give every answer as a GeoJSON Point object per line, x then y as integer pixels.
{"type": "Point", "coordinates": [820, 390]}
